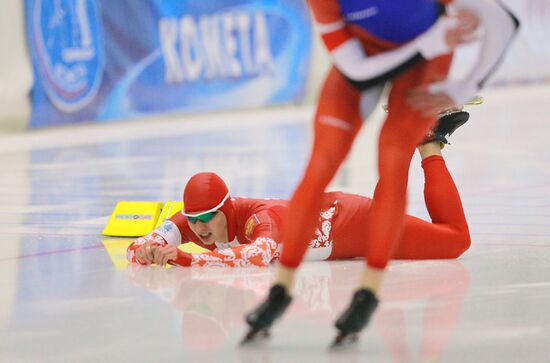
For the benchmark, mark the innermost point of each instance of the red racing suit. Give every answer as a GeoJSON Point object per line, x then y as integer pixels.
{"type": "Point", "coordinates": [339, 234]}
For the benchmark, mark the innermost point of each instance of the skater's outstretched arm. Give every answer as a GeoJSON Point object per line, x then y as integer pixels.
{"type": "Point", "coordinates": [259, 253]}
{"type": "Point", "coordinates": [261, 229]}
{"type": "Point", "coordinates": [170, 232]}
{"type": "Point", "coordinates": [153, 248]}
{"type": "Point", "coordinates": [499, 27]}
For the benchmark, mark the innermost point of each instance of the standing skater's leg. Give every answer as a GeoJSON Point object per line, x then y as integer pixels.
{"type": "Point", "coordinates": [403, 130]}
{"type": "Point", "coordinates": [337, 122]}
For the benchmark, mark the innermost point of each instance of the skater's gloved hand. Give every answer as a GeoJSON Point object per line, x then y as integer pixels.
{"type": "Point", "coordinates": [144, 253]}
{"type": "Point", "coordinates": [448, 32]}
{"type": "Point", "coordinates": [459, 91]}
{"type": "Point", "coordinates": [429, 104]}
{"type": "Point", "coordinates": [163, 254]}
{"type": "Point", "coordinates": [467, 24]}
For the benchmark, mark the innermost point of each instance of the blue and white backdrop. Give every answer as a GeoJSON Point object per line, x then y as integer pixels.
{"type": "Point", "coordinates": [104, 60]}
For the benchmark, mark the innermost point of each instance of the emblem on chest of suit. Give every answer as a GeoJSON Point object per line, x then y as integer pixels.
{"type": "Point", "coordinates": [249, 227]}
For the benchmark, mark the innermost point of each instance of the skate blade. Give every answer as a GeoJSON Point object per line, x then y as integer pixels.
{"type": "Point", "coordinates": [476, 100]}
{"type": "Point", "coordinates": [343, 340]}
{"type": "Point", "coordinates": [255, 336]}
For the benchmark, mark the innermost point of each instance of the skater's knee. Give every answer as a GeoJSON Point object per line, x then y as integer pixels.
{"type": "Point", "coordinates": [463, 243]}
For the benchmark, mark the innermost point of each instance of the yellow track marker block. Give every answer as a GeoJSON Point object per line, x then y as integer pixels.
{"type": "Point", "coordinates": [168, 210]}
{"type": "Point", "coordinates": [133, 219]}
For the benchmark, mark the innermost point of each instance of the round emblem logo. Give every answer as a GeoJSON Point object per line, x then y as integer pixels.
{"type": "Point", "coordinates": [69, 47]}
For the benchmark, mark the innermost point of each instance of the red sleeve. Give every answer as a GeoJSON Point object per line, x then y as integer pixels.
{"type": "Point", "coordinates": [183, 259]}
{"type": "Point", "coordinates": [330, 23]}
{"type": "Point", "coordinates": [259, 253]}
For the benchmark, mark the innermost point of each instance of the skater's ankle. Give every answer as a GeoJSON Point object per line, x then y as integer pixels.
{"type": "Point", "coordinates": [430, 149]}
{"type": "Point", "coordinates": [372, 279]}
{"type": "Point", "coordinates": [284, 276]}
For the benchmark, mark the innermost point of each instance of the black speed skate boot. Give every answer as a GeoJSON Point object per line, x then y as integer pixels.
{"type": "Point", "coordinates": [261, 319]}
{"type": "Point", "coordinates": [447, 124]}
{"type": "Point", "coordinates": [355, 317]}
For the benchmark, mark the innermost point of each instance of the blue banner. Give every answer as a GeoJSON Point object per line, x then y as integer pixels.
{"type": "Point", "coordinates": [104, 59]}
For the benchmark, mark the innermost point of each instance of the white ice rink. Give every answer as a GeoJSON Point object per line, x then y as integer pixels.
{"type": "Point", "coordinates": [63, 299]}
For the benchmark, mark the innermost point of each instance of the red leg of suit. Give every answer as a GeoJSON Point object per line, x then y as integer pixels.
{"type": "Point", "coordinates": [337, 122]}
{"type": "Point", "coordinates": [447, 236]}
{"type": "Point", "coordinates": [403, 130]}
